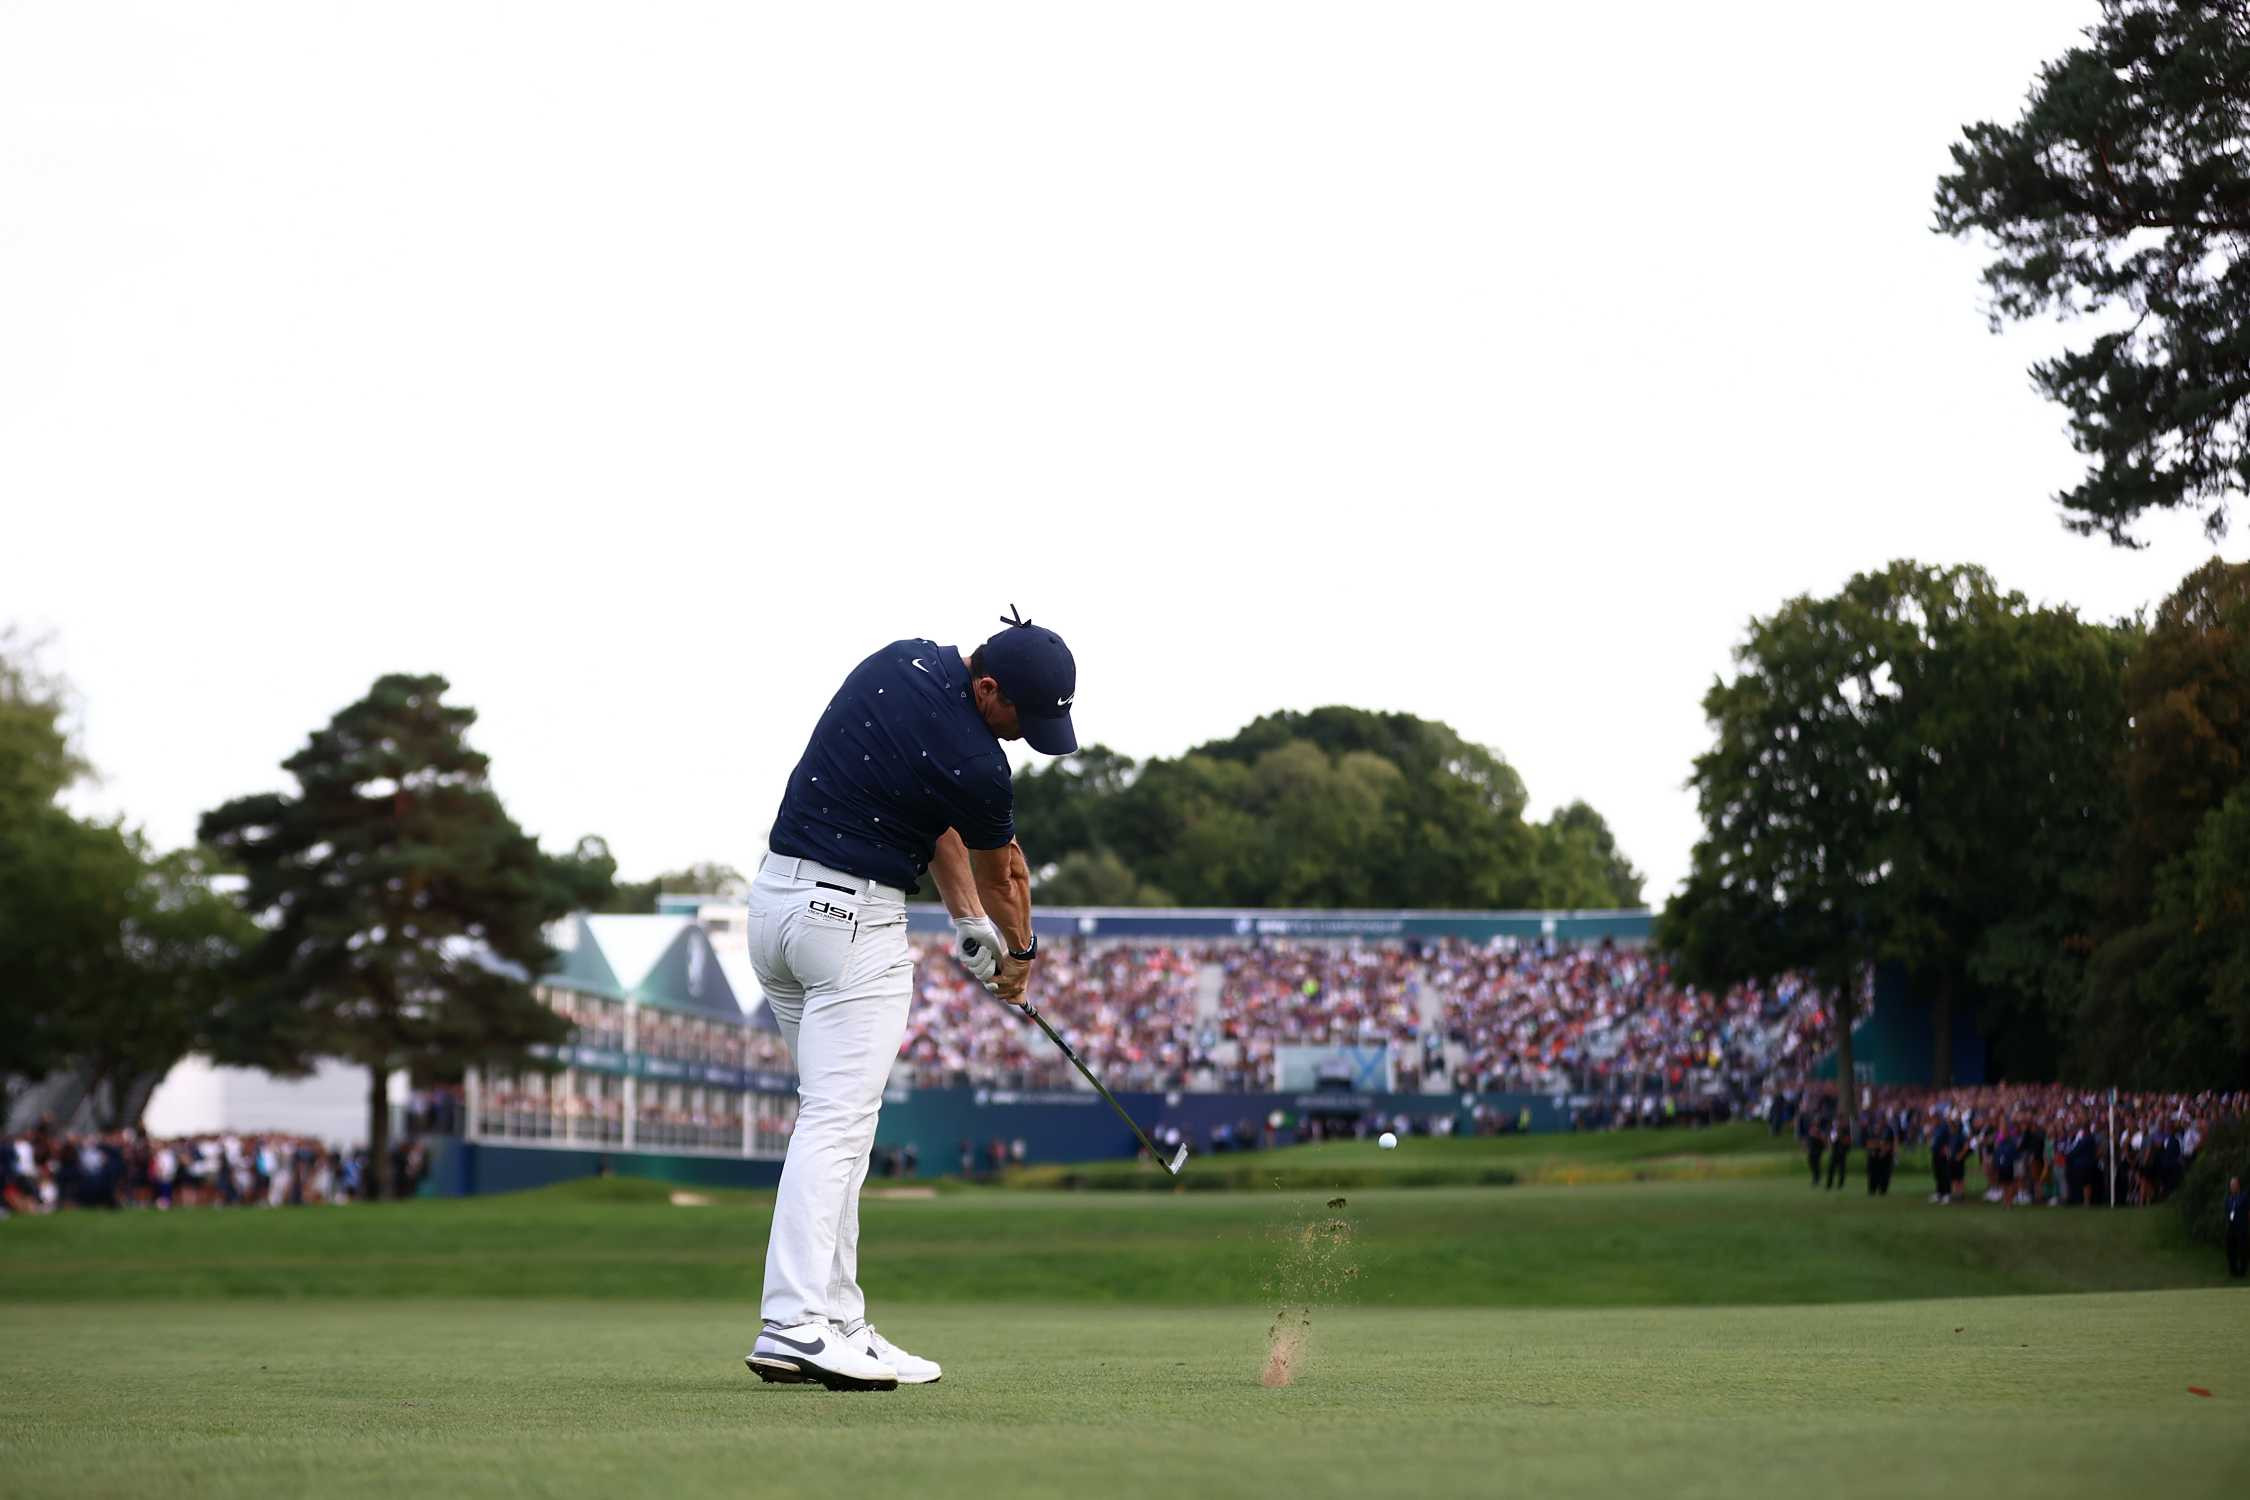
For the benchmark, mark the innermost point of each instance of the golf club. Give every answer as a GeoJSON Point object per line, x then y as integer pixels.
{"type": "Point", "coordinates": [1178, 1160]}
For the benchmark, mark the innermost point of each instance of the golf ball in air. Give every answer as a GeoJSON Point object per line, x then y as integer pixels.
{"type": "Point", "coordinates": [1387, 1141]}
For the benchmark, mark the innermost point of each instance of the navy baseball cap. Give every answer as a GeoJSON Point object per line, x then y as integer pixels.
{"type": "Point", "coordinates": [1040, 677]}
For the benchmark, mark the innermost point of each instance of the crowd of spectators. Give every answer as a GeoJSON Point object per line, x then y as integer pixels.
{"type": "Point", "coordinates": [2030, 1144]}
{"type": "Point", "coordinates": [1493, 1017]}
{"type": "Point", "coordinates": [1129, 1009]}
{"type": "Point", "coordinates": [45, 1171]}
{"type": "Point", "coordinates": [1312, 993]}
{"type": "Point", "coordinates": [1540, 1019]}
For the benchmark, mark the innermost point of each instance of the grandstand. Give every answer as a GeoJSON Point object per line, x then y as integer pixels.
{"type": "Point", "coordinates": [673, 1054]}
{"type": "Point", "coordinates": [1459, 1021]}
{"type": "Point", "coordinates": [1435, 1015]}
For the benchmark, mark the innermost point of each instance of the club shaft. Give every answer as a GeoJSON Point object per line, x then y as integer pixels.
{"type": "Point", "coordinates": [1080, 1064]}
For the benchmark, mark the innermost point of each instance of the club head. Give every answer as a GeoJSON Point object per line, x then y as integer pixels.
{"type": "Point", "coordinates": [1178, 1161]}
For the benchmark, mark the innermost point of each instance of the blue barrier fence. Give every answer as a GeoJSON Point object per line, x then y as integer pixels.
{"type": "Point", "coordinates": [1073, 1126]}
{"type": "Point", "coordinates": [460, 1168]}
{"type": "Point", "coordinates": [1057, 1126]}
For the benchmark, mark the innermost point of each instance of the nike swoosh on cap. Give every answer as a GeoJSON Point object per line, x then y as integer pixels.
{"type": "Point", "coordinates": [782, 1338]}
{"type": "Point", "coordinates": [918, 663]}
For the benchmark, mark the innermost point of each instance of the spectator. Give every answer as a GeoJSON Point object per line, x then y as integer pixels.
{"type": "Point", "coordinates": [42, 1172]}
{"type": "Point", "coordinates": [1882, 1154]}
{"type": "Point", "coordinates": [2238, 1229]}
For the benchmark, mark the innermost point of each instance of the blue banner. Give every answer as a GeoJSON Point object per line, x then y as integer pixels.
{"type": "Point", "coordinates": [1632, 927]}
{"type": "Point", "coordinates": [668, 1070]}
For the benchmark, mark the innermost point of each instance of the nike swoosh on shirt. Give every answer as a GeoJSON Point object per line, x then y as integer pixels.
{"type": "Point", "coordinates": [812, 1348]}
{"type": "Point", "coordinates": [918, 663]}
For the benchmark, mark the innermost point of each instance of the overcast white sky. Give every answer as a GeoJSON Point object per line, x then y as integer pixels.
{"type": "Point", "coordinates": [640, 367]}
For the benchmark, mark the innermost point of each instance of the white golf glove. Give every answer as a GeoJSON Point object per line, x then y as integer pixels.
{"type": "Point", "coordinates": [977, 944]}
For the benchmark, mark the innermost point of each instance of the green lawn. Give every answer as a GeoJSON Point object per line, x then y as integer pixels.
{"type": "Point", "coordinates": [1684, 1322]}
{"type": "Point", "coordinates": [1667, 1243]}
{"type": "Point", "coordinates": [2020, 1396]}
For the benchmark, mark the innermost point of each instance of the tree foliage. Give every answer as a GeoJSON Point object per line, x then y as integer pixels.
{"type": "Point", "coordinates": [67, 889]}
{"type": "Point", "coordinates": [701, 879]}
{"type": "Point", "coordinates": [165, 971]}
{"type": "Point", "coordinates": [2017, 714]}
{"type": "Point", "coordinates": [37, 762]}
{"type": "Point", "coordinates": [1337, 807]}
{"type": "Point", "coordinates": [1095, 877]}
{"type": "Point", "coordinates": [35, 765]}
{"type": "Point", "coordinates": [1580, 864]}
{"type": "Point", "coordinates": [402, 909]}
{"type": "Point", "coordinates": [1920, 768]}
{"type": "Point", "coordinates": [112, 957]}
{"type": "Point", "coordinates": [2122, 196]}
{"type": "Point", "coordinates": [2225, 1154]}
{"type": "Point", "coordinates": [64, 884]}
{"type": "Point", "coordinates": [2168, 1004]}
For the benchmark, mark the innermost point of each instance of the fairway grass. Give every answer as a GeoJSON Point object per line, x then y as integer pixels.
{"type": "Point", "coordinates": [1661, 1243]}
{"type": "Point", "coordinates": [1996, 1397]}
{"type": "Point", "coordinates": [1658, 1328]}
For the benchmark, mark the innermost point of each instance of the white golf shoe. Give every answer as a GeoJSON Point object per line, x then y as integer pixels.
{"type": "Point", "coordinates": [819, 1353]}
{"type": "Point", "coordinates": [912, 1369]}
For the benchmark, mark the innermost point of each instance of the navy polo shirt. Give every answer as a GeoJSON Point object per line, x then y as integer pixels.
{"type": "Point", "coordinates": [899, 756]}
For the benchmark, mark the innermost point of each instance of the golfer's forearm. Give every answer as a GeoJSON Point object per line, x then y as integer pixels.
{"type": "Point", "coordinates": [949, 867]}
{"type": "Point", "coordinates": [1003, 882]}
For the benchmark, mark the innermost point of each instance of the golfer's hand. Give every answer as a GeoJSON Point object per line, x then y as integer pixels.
{"type": "Point", "coordinates": [977, 945]}
{"type": "Point", "coordinates": [1009, 983]}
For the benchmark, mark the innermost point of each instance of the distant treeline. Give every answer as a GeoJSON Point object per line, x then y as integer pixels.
{"type": "Point", "coordinates": [1338, 807]}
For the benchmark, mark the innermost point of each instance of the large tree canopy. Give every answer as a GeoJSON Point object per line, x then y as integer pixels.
{"type": "Point", "coordinates": [45, 857]}
{"type": "Point", "coordinates": [147, 998]}
{"type": "Point", "coordinates": [112, 957]}
{"type": "Point", "coordinates": [1337, 807]}
{"type": "Point", "coordinates": [404, 910]}
{"type": "Point", "coordinates": [2170, 1000]}
{"type": "Point", "coordinates": [2122, 197]}
{"type": "Point", "coordinates": [1919, 767]}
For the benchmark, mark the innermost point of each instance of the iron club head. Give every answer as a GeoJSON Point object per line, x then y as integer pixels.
{"type": "Point", "coordinates": [1178, 1161]}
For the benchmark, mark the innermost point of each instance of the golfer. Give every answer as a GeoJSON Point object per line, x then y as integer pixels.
{"type": "Point", "coordinates": [904, 776]}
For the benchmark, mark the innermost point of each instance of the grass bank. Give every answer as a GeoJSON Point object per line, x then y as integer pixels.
{"type": "Point", "coordinates": [1756, 1240]}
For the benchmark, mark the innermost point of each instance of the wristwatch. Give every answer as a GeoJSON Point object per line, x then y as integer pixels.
{"type": "Point", "coordinates": [1027, 954]}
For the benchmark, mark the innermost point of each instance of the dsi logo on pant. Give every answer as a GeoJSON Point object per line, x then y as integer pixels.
{"type": "Point", "coordinates": [825, 909]}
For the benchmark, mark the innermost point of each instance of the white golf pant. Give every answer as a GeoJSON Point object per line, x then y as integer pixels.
{"type": "Point", "coordinates": [830, 951]}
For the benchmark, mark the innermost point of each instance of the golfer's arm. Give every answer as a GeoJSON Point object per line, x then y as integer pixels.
{"type": "Point", "coordinates": [1003, 883]}
{"type": "Point", "coordinates": [949, 867]}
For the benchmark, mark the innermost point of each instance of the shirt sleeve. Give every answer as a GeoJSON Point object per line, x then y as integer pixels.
{"type": "Point", "coordinates": [983, 803]}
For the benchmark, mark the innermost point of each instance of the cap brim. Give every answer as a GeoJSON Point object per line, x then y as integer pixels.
{"type": "Point", "coordinates": [1048, 736]}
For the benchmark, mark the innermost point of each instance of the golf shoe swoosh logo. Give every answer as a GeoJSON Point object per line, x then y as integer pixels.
{"type": "Point", "coordinates": [812, 1348]}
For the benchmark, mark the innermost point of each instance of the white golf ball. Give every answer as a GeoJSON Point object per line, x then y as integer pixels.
{"type": "Point", "coordinates": [1387, 1141]}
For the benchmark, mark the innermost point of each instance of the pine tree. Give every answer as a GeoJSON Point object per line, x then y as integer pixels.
{"type": "Point", "coordinates": [404, 911]}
